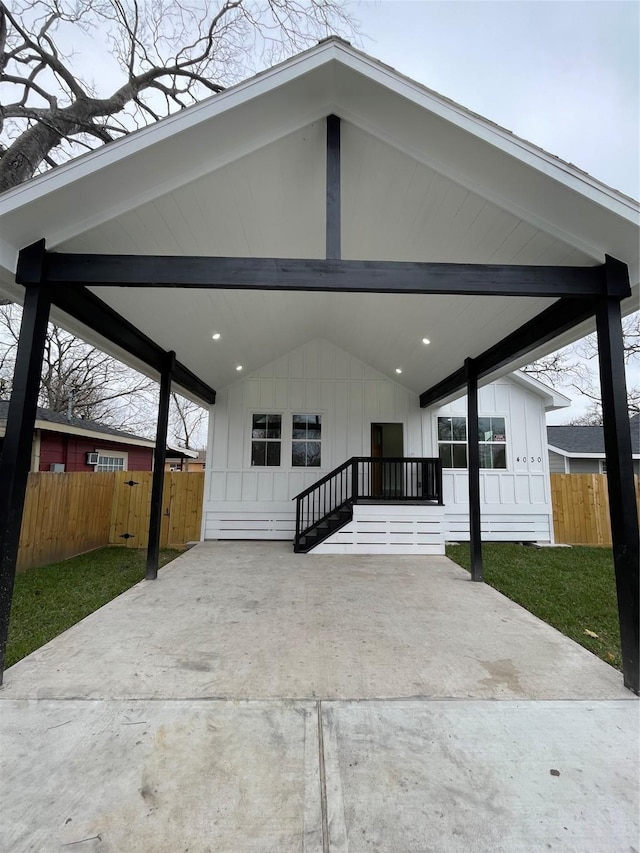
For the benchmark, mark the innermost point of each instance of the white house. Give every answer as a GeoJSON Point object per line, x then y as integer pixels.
{"type": "Point", "coordinates": [260, 442]}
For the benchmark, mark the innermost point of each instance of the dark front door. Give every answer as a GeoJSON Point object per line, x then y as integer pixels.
{"type": "Point", "coordinates": [386, 477]}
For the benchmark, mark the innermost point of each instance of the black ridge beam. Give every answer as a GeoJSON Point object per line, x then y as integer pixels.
{"type": "Point", "coordinates": [553, 321]}
{"type": "Point", "coordinates": [91, 311]}
{"type": "Point", "coordinates": [473, 470]}
{"type": "Point", "coordinates": [15, 461]}
{"type": "Point", "coordinates": [333, 244]}
{"type": "Point", "coordinates": [620, 484]}
{"type": "Point", "coordinates": [159, 459]}
{"type": "Point", "coordinates": [325, 275]}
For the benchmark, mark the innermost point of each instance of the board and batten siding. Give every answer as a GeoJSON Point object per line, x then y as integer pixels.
{"type": "Point", "coordinates": [516, 502]}
{"type": "Point", "coordinates": [245, 502]}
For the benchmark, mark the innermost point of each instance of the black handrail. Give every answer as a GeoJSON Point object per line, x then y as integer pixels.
{"type": "Point", "coordinates": [366, 478]}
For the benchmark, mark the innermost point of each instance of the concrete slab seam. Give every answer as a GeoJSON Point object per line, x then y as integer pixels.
{"type": "Point", "coordinates": [323, 782]}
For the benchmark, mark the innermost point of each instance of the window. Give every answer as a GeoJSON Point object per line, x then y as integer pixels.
{"type": "Point", "coordinates": [452, 442]}
{"type": "Point", "coordinates": [266, 440]}
{"type": "Point", "coordinates": [492, 439]}
{"type": "Point", "coordinates": [109, 460]}
{"type": "Point", "coordinates": [306, 434]}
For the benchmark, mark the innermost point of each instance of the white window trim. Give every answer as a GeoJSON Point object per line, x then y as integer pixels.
{"type": "Point", "coordinates": [114, 454]}
{"type": "Point", "coordinates": [248, 434]}
{"type": "Point", "coordinates": [286, 438]}
{"type": "Point", "coordinates": [321, 415]}
{"type": "Point", "coordinates": [507, 433]}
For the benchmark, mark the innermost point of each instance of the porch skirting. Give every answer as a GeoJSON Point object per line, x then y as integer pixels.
{"type": "Point", "coordinates": [388, 529]}
{"type": "Point", "coordinates": [253, 520]}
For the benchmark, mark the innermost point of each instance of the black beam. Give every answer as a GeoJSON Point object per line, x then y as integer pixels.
{"type": "Point", "coordinates": [91, 311]}
{"type": "Point", "coordinates": [620, 483]}
{"type": "Point", "coordinates": [473, 469]}
{"type": "Point", "coordinates": [18, 441]}
{"type": "Point", "coordinates": [553, 321]}
{"type": "Point", "coordinates": [334, 231]}
{"type": "Point", "coordinates": [159, 458]}
{"type": "Point", "coordinates": [325, 275]}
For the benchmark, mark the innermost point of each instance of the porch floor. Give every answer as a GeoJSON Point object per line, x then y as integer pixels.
{"type": "Point", "coordinates": [252, 699]}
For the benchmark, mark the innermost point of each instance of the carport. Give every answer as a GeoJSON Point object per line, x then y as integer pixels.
{"type": "Point", "coordinates": [330, 175]}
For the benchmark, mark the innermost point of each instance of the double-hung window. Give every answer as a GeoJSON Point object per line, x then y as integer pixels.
{"type": "Point", "coordinates": [452, 442]}
{"type": "Point", "coordinates": [266, 440]}
{"type": "Point", "coordinates": [493, 442]}
{"type": "Point", "coordinates": [306, 441]}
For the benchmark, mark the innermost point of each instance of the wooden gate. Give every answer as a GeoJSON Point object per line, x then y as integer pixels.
{"type": "Point", "coordinates": [181, 508]}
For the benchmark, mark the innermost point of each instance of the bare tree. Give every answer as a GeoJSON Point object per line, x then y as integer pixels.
{"type": "Point", "coordinates": [187, 421]}
{"type": "Point", "coordinates": [574, 368]}
{"type": "Point", "coordinates": [78, 379]}
{"type": "Point", "coordinates": [160, 56]}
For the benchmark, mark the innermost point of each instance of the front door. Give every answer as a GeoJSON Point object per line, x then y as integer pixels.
{"type": "Point", "coordinates": [386, 477]}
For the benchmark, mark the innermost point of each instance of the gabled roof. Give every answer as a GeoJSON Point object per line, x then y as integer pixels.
{"type": "Point", "coordinates": [243, 174]}
{"type": "Point", "coordinates": [587, 440]}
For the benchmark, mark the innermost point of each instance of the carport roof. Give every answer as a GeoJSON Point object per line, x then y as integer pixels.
{"type": "Point", "coordinates": [243, 174]}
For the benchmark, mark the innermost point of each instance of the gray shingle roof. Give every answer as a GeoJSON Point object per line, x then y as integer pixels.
{"type": "Point", "coordinates": [81, 423]}
{"type": "Point", "coordinates": [588, 439]}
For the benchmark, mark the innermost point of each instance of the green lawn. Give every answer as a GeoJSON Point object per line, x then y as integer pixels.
{"type": "Point", "coordinates": [50, 599]}
{"type": "Point", "coordinates": [572, 589]}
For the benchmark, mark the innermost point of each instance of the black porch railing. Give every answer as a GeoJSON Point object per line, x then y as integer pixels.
{"type": "Point", "coordinates": [327, 505]}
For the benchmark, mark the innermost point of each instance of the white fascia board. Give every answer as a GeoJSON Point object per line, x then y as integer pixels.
{"type": "Point", "coordinates": [553, 399]}
{"type": "Point", "coordinates": [68, 429]}
{"type": "Point", "coordinates": [579, 454]}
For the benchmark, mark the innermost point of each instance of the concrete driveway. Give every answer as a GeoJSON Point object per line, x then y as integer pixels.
{"type": "Point", "coordinates": [255, 700]}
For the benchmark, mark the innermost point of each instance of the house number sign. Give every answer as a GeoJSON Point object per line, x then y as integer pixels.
{"type": "Point", "coordinates": [531, 458]}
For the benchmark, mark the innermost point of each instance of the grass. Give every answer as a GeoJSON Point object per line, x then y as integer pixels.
{"type": "Point", "coordinates": [50, 599]}
{"type": "Point", "coordinates": [572, 589]}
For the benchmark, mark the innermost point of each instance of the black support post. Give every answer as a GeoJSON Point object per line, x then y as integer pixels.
{"type": "Point", "coordinates": [473, 468]}
{"type": "Point", "coordinates": [18, 441]}
{"type": "Point", "coordinates": [622, 501]}
{"type": "Point", "coordinates": [159, 458]}
{"type": "Point", "coordinates": [333, 188]}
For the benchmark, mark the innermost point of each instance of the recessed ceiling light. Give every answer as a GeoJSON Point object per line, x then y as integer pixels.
{"type": "Point", "coordinates": [398, 370]}
{"type": "Point", "coordinates": [239, 367]}
{"type": "Point", "coordinates": [215, 336]}
{"type": "Point", "coordinates": [426, 341]}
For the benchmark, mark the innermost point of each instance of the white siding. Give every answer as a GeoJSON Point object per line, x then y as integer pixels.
{"type": "Point", "coordinates": [317, 378]}
{"type": "Point", "coordinates": [516, 502]}
{"type": "Point", "coordinates": [247, 502]}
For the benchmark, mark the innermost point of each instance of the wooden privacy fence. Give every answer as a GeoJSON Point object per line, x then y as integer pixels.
{"type": "Point", "coordinates": [68, 514]}
{"type": "Point", "coordinates": [581, 508]}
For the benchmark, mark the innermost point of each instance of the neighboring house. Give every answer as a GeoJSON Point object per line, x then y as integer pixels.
{"type": "Point", "coordinates": [580, 449]}
{"type": "Point", "coordinates": [61, 443]}
{"type": "Point", "coordinates": [182, 459]}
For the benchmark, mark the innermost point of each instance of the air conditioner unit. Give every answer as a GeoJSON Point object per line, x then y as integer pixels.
{"type": "Point", "coordinates": [92, 458]}
{"type": "Point", "coordinates": [57, 467]}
